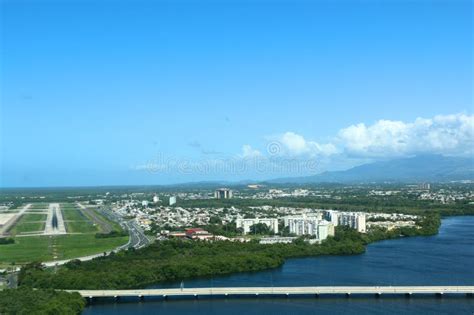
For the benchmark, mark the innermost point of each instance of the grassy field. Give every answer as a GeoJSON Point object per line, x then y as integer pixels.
{"type": "Point", "coordinates": [29, 222]}
{"type": "Point", "coordinates": [38, 207]}
{"type": "Point", "coordinates": [31, 217]}
{"type": "Point", "coordinates": [73, 215]}
{"type": "Point", "coordinates": [76, 221]}
{"type": "Point", "coordinates": [80, 227]}
{"type": "Point", "coordinates": [48, 248]}
{"type": "Point", "coordinates": [27, 227]}
{"type": "Point", "coordinates": [68, 206]}
{"type": "Point", "coordinates": [25, 249]}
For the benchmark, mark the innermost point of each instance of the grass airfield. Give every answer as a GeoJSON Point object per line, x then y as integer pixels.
{"type": "Point", "coordinates": [32, 244]}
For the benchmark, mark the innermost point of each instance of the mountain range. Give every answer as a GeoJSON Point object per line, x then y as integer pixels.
{"type": "Point", "coordinates": [422, 168]}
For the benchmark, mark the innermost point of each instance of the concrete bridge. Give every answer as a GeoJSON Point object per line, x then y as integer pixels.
{"type": "Point", "coordinates": [281, 291]}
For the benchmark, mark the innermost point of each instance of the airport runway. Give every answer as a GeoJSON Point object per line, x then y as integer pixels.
{"type": "Point", "coordinates": [54, 221]}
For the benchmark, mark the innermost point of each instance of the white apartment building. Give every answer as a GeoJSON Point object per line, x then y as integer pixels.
{"type": "Point", "coordinates": [325, 229]}
{"type": "Point", "coordinates": [307, 216]}
{"type": "Point", "coordinates": [310, 225]}
{"type": "Point", "coordinates": [245, 224]}
{"type": "Point", "coordinates": [355, 220]}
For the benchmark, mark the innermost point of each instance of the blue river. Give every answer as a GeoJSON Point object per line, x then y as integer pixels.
{"type": "Point", "coordinates": [444, 259]}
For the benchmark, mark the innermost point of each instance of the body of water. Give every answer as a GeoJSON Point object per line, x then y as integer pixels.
{"type": "Point", "coordinates": [444, 259]}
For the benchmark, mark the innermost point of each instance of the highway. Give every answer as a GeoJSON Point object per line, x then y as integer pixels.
{"type": "Point", "coordinates": [282, 291]}
{"type": "Point", "coordinates": [138, 238]}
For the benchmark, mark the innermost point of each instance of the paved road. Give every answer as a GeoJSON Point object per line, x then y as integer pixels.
{"type": "Point", "coordinates": [138, 239]}
{"type": "Point", "coordinates": [255, 291]}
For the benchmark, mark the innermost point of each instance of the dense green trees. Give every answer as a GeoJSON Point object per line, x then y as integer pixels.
{"type": "Point", "coordinates": [29, 302]}
{"type": "Point", "coordinates": [6, 240]}
{"type": "Point", "coordinates": [261, 228]}
{"type": "Point", "coordinates": [162, 261]}
{"type": "Point", "coordinates": [347, 202]}
{"type": "Point", "coordinates": [229, 229]}
{"type": "Point", "coordinates": [113, 233]}
{"type": "Point", "coordinates": [429, 226]}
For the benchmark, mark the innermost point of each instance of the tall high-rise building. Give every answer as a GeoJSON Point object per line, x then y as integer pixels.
{"type": "Point", "coordinates": [223, 193]}
{"type": "Point", "coordinates": [323, 230]}
{"type": "Point", "coordinates": [172, 200]}
{"type": "Point", "coordinates": [424, 186]}
{"type": "Point", "coordinates": [361, 223]}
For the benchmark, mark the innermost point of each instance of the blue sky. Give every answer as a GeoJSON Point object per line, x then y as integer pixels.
{"type": "Point", "coordinates": [97, 92]}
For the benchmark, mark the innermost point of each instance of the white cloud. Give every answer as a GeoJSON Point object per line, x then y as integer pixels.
{"type": "Point", "coordinates": [249, 152]}
{"type": "Point", "coordinates": [445, 134]}
{"type": "Point", "coordinates": [294, 144]}
{"type": "Point", "coordinates": [442, 134]}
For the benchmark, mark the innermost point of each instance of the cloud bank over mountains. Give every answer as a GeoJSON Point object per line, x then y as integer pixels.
{"type": "Point", "coordinates": [291, 154]}
{"type": "Point", "coordinates": [443, 134]}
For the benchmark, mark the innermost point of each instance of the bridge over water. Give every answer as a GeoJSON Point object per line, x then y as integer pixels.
{"type": "Point", "coordinates": [282, 291]}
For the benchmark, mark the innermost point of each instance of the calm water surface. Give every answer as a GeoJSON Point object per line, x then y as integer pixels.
{"type": "Point", "coordinates": [444, 259]}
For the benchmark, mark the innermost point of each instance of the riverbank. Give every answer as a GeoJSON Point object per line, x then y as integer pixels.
{"type": "Point", "coordinates": [174, 260]}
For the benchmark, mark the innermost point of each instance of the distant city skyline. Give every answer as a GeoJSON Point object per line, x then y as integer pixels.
{"type": "Point", "coordinates": [115, 93]}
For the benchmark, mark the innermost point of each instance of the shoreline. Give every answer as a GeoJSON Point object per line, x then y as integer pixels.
{"type": "Point", "coordinates": [163, 262]}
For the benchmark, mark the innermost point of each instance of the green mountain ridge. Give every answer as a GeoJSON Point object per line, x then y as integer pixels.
{"type": "Point", "coordinates": [422, 168]}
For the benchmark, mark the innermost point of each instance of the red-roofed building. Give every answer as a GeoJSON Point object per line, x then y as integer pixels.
{"type": "Point", "coordinates": [198, 233]}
